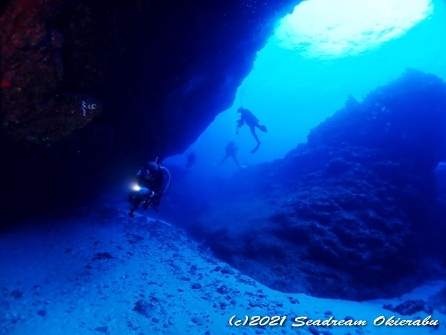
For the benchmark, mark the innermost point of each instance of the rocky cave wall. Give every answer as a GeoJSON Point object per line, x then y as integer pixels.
{"type": "Point", "coordinates": [89, 85]}
{"type": "Point", "coordinates": [353, 213]}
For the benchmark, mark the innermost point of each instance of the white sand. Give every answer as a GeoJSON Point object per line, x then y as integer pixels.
{"type": "Point", "coordinates": [183, 284]}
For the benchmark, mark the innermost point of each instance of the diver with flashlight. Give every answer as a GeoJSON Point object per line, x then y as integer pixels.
{"type": "Point", "coordinates": [152, 180]}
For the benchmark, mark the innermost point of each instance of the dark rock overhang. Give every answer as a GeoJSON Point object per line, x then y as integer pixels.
{"type": "Point", "coordinates": [86, 85]}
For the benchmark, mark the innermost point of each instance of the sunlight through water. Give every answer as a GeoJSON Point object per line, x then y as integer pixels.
{"type": "Point", "coordinates": [330, 29]}
{"type": "Point", "coordinates": [316, 59]}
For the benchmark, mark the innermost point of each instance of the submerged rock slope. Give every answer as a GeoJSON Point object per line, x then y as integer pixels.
{"type": "Point", "coordinates": [104, 273]}
{"type": "Point", "coordinates": [346, 214]}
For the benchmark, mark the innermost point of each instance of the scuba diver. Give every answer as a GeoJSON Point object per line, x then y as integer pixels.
{"type": "Point", "coordinates": [231, 149]}
{"type": "Point", "coordinates": [190, 160]}
{"type": "Point", "coordinates": [152, 180]}
{"type": "Point", "coordinates": [248, 118]}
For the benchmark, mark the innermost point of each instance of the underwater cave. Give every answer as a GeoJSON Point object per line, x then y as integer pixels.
{"type": "Point", "coordinates": [226, 167]}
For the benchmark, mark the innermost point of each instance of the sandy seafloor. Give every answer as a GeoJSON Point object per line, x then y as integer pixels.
{"type": "Point", "coordinates": [86, 274]}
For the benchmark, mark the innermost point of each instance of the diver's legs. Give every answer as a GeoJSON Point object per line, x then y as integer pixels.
{"type": "Point", "coordinates": [256, 148]}
{"type": "Point", "coordinates": [235, 160]}
{"type": "Point", "coordinates": [253, 132]}
{"type": "Point", "coordinates": [224, 158]}
{"type": "Point", "coordinates": [261, 127]}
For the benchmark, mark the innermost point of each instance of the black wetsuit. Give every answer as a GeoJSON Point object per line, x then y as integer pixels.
{"type": "Point", "coordinates": [231, 149]}
{"type": "Point", "coordinates": [156, 182]}
{"type": "Point", "coordinates": [248, 118]}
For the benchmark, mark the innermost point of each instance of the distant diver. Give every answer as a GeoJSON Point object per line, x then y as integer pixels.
{"type": "Point", "coordinates": [152, 181]}
{"type": "Point", "coordinates": [248, 118]}
{"type": "Point", "coordinates": [190, 160]}
{"type": "Point", "coordinates": [231, 149]}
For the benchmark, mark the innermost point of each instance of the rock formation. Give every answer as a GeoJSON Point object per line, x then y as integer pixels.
{"type": "Point", "coordinates": [89, 86]}
{"type": "Point", "coordinates": [347, 214]}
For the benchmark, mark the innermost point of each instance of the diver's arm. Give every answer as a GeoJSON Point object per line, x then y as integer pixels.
{"type": "Point", "coordinates": [240, 123]}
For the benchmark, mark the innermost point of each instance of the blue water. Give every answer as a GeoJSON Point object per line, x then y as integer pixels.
{"type": "Point", "coordinates": [291, 93]}
{"type": "Point", "coordinates": [86, 273]}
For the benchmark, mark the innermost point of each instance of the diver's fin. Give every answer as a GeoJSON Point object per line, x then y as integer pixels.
{"type": "Point", "coordinates": [256, 148]}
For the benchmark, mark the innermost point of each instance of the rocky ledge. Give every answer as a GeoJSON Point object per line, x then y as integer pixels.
{"type": "Point", "coordinates": [93, 88]}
